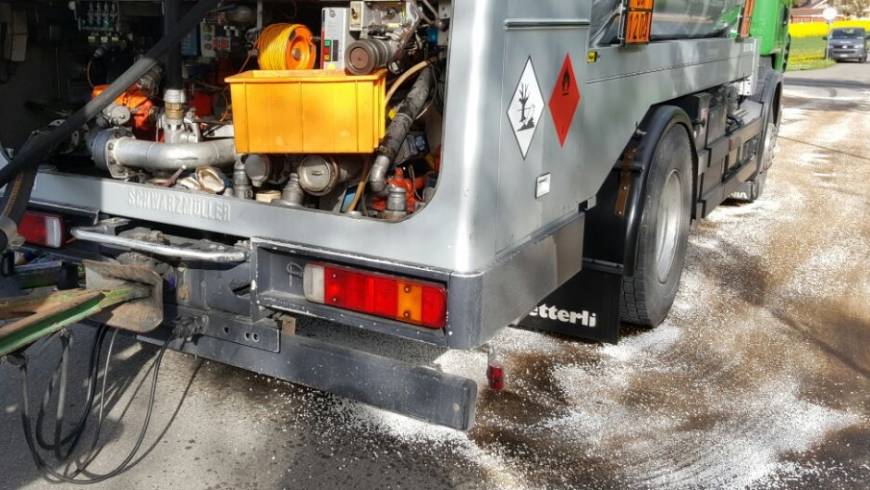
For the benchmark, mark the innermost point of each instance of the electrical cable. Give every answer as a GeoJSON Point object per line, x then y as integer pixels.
{"type": "Point", "coordinates": [223, 91]}
{"type": "Point", "coordinates": [286, 47]}
{"type": "Point", "coordinates": [74, 437]}
{"type": "Point", "coordinates": [88, 73]}
{"type": "Point", "coordinates": [360, 188]}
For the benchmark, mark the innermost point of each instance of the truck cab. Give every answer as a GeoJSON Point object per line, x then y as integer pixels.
{"type": "Point", "coordinates": [848, 43]}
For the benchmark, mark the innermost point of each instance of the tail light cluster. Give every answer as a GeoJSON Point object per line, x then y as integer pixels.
{"type": "Point", "coordinates": [47, 230]}
{"type": "Point", "coordinates": [409, 301]}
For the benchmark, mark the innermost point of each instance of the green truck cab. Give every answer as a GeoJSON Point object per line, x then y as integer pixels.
{"type": "Point", "coordinates": [770, 20]}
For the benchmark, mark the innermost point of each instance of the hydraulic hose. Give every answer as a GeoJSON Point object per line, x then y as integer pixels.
{"type": "Point", "coordinates": [171, 9]}
{"type": "Point", "coordinates": [399, 128]}
{"type": "Point", "coordinates": [405, 76]}
{"type": "Point", "coordinates": [31, 155]}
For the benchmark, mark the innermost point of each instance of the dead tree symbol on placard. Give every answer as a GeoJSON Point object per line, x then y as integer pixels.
{"type": "Point", "coordinates": [528, 122]}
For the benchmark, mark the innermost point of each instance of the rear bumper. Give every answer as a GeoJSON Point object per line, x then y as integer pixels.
{"type": "Point", "coordinates": [416, 391]}
{"type": "Point", "coordinates": [848, 53]}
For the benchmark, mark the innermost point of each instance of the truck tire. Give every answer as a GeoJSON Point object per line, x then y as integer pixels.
{"type": "Point", "coordinates": [754, 188]}
{"type": "Point", "coordinates": [647, 295]}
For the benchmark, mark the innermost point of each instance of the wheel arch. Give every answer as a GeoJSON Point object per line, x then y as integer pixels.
{"type": "Point", "coordinates": [611, 234]}
{"type": "Point", "coordinates": [659, 120]}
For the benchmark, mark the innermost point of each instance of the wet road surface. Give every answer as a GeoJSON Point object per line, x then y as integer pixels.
{"type": "Point", "coordinates": [759, 378]}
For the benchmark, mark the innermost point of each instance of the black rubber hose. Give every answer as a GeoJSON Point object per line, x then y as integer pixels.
{"type": "Point", "coordinates": [171, 10]}
{"type": "Point", "coordinates": [14, 202]}
{"type": "Point", "coordinates": [31, 156]}
{"type": "Point", "coordinates": [399, 128]}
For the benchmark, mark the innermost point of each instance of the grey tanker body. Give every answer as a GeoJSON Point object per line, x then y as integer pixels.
{"type": "Point", "coordinates": [544, 164]}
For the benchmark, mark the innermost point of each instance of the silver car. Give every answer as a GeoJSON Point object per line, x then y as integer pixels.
{"type": "Point", "coordinates": [848, 44]}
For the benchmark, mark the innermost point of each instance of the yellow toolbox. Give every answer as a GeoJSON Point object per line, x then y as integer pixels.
{"type": "Point", "coordinates": [307, 111]}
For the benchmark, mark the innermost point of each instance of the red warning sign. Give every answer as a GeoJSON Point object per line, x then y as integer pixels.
{"type": "Point", "coordinates": [564, 100]}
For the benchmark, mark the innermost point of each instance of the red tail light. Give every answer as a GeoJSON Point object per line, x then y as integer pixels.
{"type": "Point", "coordinates": [48, 230]}
{"type": "Point", "coordinates": [408, 301]}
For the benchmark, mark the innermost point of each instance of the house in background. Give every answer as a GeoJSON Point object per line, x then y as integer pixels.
{"type": "Point", "coordinates": [811, 11]}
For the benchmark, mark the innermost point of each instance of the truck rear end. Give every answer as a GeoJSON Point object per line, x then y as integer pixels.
{"type": "Point", "coordinates": [425, 170]}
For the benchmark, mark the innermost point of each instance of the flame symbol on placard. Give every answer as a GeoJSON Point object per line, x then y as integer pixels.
{"type": "Point", "coordinates": [566, 83]}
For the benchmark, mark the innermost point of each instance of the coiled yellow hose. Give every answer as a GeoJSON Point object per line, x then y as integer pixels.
{"type": "Point", "coordinates": [286, 47]}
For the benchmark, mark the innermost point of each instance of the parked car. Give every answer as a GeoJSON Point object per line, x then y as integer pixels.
{"type": "Point", "coordinates": [848, 44]}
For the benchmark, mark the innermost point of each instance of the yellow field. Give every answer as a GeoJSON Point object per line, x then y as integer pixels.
{"type": "Point", "coordinates": [819, 29]}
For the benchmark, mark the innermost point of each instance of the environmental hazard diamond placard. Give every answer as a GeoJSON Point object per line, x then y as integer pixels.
{"type": "Point", "coordinates": [526, 107]}
{"type": "Point", "coordinates": [564, 100]}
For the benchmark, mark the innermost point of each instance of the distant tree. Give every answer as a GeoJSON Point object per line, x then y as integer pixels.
{"type": "Point", "coordinates": [853, 8]}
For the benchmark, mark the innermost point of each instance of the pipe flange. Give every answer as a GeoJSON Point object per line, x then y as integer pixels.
{"type": "Point", "coordinates": [102, 147]}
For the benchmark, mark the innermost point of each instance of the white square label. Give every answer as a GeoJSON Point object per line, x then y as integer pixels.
{"type": "Point", "coordinates": [542, 186]}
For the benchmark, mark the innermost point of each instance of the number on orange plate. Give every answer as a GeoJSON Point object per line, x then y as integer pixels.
{"type": "Point", "coordinates": [638, 26]}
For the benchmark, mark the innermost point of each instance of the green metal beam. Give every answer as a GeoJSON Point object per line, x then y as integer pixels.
{"type": "Point", "coordinates": [65, 308]}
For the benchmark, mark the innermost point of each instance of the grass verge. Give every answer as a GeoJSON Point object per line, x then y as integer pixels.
{"type": "Point", "coordinates": [808, 53]}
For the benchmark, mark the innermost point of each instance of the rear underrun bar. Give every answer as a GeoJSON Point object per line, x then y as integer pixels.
{"type": "Point", "coordinates": [386, 383]}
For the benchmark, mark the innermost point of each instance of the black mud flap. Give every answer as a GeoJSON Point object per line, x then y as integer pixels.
{"type": "Point", "coordinates": [586, 307]}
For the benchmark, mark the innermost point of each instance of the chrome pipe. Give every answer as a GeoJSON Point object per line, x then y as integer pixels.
{"type": "Point", "coordinates": [127, 151]}
{"type": "Point", "coordinates": [226, 255]}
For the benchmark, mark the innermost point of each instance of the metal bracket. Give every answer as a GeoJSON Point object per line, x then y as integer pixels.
{"type": "Point", "coordinates": [263, 335]}
{"type": "Point", "coordinates": [141, 315]}
{"type": "Point", "coordinates": [627, 167]}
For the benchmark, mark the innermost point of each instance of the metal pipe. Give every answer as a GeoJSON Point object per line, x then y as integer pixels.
{"type": "Point", "coordinates": [130, 152]}
{"type": "Point", "coordinates": [93, 234]}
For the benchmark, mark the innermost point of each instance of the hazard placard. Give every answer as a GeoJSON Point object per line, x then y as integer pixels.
{"type": "Point", "coordinates": [525, 108]}
{"type": "Point", "coordinates": [638, 21]}
{"type": "Point", "coordinates": [564, 100]}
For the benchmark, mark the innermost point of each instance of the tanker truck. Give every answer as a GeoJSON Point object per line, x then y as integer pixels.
{"type": "Point", "coordinates": [432, 171]}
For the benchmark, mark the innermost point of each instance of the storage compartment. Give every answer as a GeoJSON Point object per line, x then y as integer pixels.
{"type": "Point", "coordinates": [307, 111]}
{"type": "Point", "coordinates": [328, 106]}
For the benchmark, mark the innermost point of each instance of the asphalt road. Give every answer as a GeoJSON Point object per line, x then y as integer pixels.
{"type": "Point", "coordinates": [758, 379]}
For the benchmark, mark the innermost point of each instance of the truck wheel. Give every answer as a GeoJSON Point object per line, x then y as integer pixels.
{"type": "Point", "coordinates": [647, 296]}
{"type": "Point", "coordinates": [768, 151]}
{"type": "Point", "coordinates": [753, 189]}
